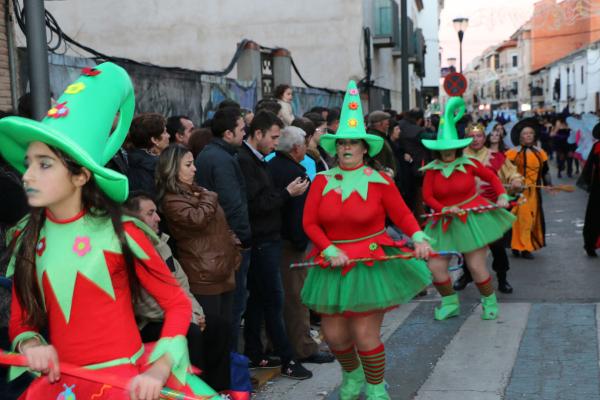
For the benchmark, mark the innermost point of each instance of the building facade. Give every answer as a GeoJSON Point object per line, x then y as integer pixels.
{"type": "Point", "coordinates": [348, 39]}
{"type": "Point", "coordinates": [549, 63]}
{"type": "Point", "coordinates": [7, 72]}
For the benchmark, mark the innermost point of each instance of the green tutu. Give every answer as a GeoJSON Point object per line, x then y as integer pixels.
{"type": "Point", "coordinates": [478, 231]}
{"type": "Point", "coordinates": [365, 289]}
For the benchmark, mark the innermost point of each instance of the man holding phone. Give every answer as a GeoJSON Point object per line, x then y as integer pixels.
{"type": "Point", "coordinates": [285, 167]}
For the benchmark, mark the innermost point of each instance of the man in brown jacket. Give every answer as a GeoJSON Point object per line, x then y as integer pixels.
{"type": "Point", "coordinates": [207, 345]}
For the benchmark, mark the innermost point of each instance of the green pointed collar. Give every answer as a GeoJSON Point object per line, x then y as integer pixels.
{"type": "Point", "coordinates": [353, 180]}
{"type": "Point", "coordinates": [75, 246]}
{"type": "Point", "coordinates": [448, 168]}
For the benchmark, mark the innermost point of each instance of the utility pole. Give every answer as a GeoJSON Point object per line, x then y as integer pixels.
{"type": "Point", "coordinates": [404, 59]}
{"type": "Point", "coordinates": [37, 57]}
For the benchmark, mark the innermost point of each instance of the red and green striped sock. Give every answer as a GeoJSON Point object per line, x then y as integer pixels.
{"type": "Point", "coordinates": [444, 288]}
{"type": "Point", "coordinates": [347, 358]}
{"type": "Point", "coordinates": [373, 362]}
{"type": "Point", "coordinates": [485, 288]}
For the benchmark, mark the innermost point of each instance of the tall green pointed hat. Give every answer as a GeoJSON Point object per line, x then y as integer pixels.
{"type": "Point", "coordinates": [352, 125]}
{"type": "Point", "coordinates": [447, 137]}
{"type": "Point", "coordinates": [80, 125]}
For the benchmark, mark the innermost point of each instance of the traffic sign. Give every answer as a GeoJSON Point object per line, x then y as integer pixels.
{"type": "Point", "coordinates": [455, 84]}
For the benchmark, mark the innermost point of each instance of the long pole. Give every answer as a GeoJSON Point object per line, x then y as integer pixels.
{"type": "Point", "coordinates": [37, 57]}
{"type": "Point", "coordinates": [460, 39]}
{"type": "Point", "coordinates": [404, 59]}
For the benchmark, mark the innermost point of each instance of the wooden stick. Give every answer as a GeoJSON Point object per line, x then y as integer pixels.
{"type": "Point", "coordinates": [519, 201]}
{"type": "Point", "coordinates": [98, 376]}
{"type": "Point", "coordinates": [559, 188]}
{"type": "Point", "coordinates": [406, 256]}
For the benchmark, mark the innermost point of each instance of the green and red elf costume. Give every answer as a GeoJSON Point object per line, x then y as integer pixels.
{"type": "Point", "coordinates": [346, 211]}
{"type": "Point", "coordinates": [453, 184]}
{"type": "Point", "coordinates": [79, 265]}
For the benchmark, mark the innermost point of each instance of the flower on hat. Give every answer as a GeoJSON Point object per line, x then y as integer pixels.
{"type": "Point", "coordinates": [88, 71]}
{"type": "Point", "coordinates": [352, 123]}
{"type": "Point", "coordinates": [353, 91]}
{"type": "Point", "coordinates": [82, 245]}
{"type": "Point", "coordinates": [58, 111]}
{"type": "Point", "coordinates": [353, 105]}
{"type": "Point", "coordinates": [75, 88]}
{"type": "Point", "coordinates": [41, 246]}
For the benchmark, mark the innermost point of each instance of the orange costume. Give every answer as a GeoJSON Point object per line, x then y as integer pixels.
{"type": "Point", "coordinates": [528, 232]}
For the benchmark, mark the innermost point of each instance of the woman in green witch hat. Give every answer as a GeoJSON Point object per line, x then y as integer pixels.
{"type": "Point", "coordinates": [344, 216]}
{"type": "Point", "coordinates": [77, 263]}
{"type": "Point", "coordinates": [450, 188]}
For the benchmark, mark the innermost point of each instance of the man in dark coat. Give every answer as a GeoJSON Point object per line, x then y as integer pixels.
{"type": "Point", "coordinates": [218, 170]}
{"type": "Point", "coordinates": [379, 122]}
{"type": "Point", "coordinates": [285, 168]}
{"type": "Point", "coordinates": [265, 302]}
{"type": "Point", "coordinates": [411, 133]}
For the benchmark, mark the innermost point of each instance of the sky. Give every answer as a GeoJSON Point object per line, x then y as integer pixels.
{"type": "Point", "coordinates": [490, 22]}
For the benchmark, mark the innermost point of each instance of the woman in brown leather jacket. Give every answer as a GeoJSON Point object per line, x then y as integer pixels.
{"type": "Point", "coordinates": [207, 249]}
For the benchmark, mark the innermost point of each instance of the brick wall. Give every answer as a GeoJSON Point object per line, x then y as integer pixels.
{"type": "Point", "coordinates": [559, 29]}
{"type": "Point", "coordinates": [5, 92]}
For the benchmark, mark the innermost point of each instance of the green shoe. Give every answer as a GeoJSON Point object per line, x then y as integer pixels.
{"type": "Point", "coordinates": [450, 308]}
{"type": "Point", "coordinates": [489, 305]}
{"type": "Point", "coordinates": [377, 392]}
{"type": "Point", "coordinates": [352, 384]}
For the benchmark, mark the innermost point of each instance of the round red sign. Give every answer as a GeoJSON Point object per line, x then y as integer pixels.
{"type": "Point", "coordinates": [455, 84]}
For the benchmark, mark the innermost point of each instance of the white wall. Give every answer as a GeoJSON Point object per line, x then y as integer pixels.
{"type": "Point", "coordinates": [325, 41]}
{"type": "Point", "coordinates": [592, 78]}
{"type": "Point", "coordinates": [428, 21]}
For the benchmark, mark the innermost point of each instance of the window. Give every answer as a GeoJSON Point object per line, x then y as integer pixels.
{"type": "Point", "coordinates": [515, 60]}
{"type": "Point", "coordinates": [386, 24]}
{"type": "Point", "coordinates": [515, 88]}
{"type": "Point", "coordinates": [496, 61]}
{"type": "Point", "coordinates": [383, 18]}
{"type": "Point", "coordinates": [582, 74]}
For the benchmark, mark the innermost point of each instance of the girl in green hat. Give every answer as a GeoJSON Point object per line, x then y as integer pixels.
{"type": "Point", "coordinates": [449, 188]}
{"type": "Point", "coordinates": [345, 218]}
{"type": "Point", "coordinates": [78, 264]}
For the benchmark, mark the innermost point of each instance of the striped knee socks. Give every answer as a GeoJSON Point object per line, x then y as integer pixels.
{"type": "Point", "coordinates": [347, 358]}
{"type": "Point", "coordinates": [444, 288]}
{"type": "Point", "coordinates": [373, 362]}
{"type": "Point", "coordinates": [485, 288]}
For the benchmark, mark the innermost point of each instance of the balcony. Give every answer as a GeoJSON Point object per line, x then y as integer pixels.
{"type": "Point", "coordinates": [386, 24]}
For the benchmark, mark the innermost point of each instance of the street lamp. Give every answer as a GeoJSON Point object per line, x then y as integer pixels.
{"type": "Point", "coordinates": [460, 25]}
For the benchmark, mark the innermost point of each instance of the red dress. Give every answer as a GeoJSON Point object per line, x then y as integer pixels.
{"type": "Point", "coordinates": [457, 187]}
{"type": "Point", "coordinates": [356, 224]}
{"type": "Point", "coordinates": [99, 327]}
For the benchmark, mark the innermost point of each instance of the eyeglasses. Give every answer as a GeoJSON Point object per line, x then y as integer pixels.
{"type": "Point", "coordinates": [321, 130]}
{"type": "Point", "coordinates": [349, 142]}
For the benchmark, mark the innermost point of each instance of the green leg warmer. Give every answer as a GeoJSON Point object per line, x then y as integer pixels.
{"type": "Point", "coordinates": [450, 308]}
{"type": "Point", "coordinates": [377, 392]}
{"type": "Point", "coordinates": [489, 306]}
{"type": "Point", "coordinates": [352, 384]}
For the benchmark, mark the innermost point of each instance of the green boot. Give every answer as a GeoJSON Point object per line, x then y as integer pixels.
{"type": "Point", "coordinates": [489, 305]}
{"type": "Point", "coordinates": [352, 384]}
{"type": "Point", "coordinates": [377, 392]}
{"type": "Point", "coordinates": [450, 307]}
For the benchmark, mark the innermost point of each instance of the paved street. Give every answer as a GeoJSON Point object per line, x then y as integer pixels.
{"type": "Point", "coordinates": [544, 346]}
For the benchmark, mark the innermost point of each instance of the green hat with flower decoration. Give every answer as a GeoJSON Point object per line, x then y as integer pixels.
{"type": "Point", "coordinates": [80, 125]}
{"type": "Point", "coordinates": [352, 125]}
{"type": "Point", "coordinates": [447, 137]}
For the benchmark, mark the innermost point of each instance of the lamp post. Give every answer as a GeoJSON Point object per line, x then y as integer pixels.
{"type": "Point", "coordinates": [460, 25]}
